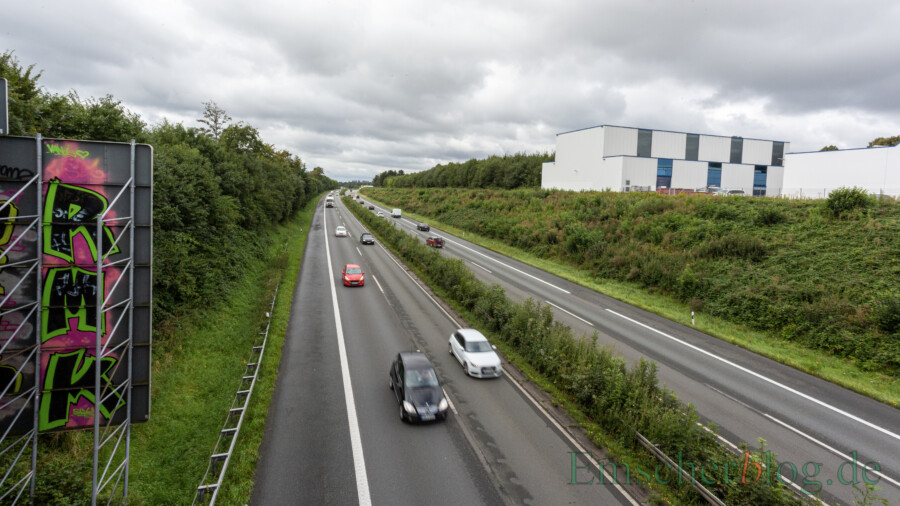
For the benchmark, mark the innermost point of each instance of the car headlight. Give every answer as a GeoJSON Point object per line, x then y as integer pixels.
{"type": "Point", "coordinates": [474, 365]}
{"type": "Point", "coordinates": [409, 407]}
{"type": "Point", "coordinates": [442, 405]}
{"type": "Point", "coordinates": [346, 278]}
{"type": "Point", "coordinates": [362, 278]}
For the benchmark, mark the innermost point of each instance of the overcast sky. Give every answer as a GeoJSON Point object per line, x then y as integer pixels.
{"type": "Point", "coordinates": [358, 87]}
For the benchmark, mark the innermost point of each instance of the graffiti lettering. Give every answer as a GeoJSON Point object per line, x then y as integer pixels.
{"type": "Point", "coordinates": [68, 291]}
{"type": "Point", "coordinates": [55, 149]}
{"type": "Point", "coordinates": [70, 211]}
{"type": "Point", "coordinates": [9, 376]}
{"type": "Point", "coordinates": [65, 373]}
{"type": "Point", "coordinates": [14, 172]}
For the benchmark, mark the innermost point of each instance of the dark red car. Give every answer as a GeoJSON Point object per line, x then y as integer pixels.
{"type": "Point", "coordinates": [353, 275]}
{"type": "Point", "coordinates": [435, 241]}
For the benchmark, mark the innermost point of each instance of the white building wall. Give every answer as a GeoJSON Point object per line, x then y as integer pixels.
{"type": "Point", "coordinates": [579, 155]}
{"type": "Point", "coordinates": [611, 176]}
{"type": "Point", "coordinates": [774, 181]}
{"type": "Point", "coordinates": [689, 174]}
{"type": "Point", "coordinates": [639, 171]}
{"type": "Point", "coordinates": [737, 177]}
{"type": "Point", "coordinates": [757, 152]}
{"type": "Point", "coordinates": [668, 145]}
{"type": "Point", "coordinates": [817, 173]}
{"type": "Point", "coordinates": [619, 141]}
{"type": "Point", "coordinates": [714, 149]}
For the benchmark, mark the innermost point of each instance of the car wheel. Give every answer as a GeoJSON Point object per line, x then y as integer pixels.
{"type": "Point", "coordinates": [402, 414]}
{"type": "Point", "coordinates": [466, 368]}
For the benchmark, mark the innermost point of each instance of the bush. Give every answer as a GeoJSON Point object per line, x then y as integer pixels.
{"type": "Point", "coordinates": [844, 200]}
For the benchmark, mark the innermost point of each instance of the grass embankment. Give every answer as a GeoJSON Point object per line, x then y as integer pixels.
{"type": "Point", "coordinates": [786, 279]}
{"type": "Point", "coordinates": [198, 360]}
{"type": "Point", "coordinates": [607, 397]}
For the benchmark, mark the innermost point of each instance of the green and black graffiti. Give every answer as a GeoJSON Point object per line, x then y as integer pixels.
{"type": "Point", "coordinates": [69, 377]}
{"type": "Point", "coordinates": [71, 210]}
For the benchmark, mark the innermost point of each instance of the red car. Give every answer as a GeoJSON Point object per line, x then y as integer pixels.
{"type": "Point", "coordinates": [435, 241]}
{"type": "Point", "coordinates": [353, 275]}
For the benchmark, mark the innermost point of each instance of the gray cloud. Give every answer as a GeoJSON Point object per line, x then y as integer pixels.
{"type": "Point", "coordinates": [358, 87]}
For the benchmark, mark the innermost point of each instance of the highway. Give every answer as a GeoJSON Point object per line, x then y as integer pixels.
{"type": "Point", "coordinates": [333, 433]}
{"type": "Point", "coordinates": [816, 429]}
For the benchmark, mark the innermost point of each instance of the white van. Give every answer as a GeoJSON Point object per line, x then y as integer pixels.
{"type": "Point", "coordinates": [395, 213]}
{"type": "Point", "coordinates": [329, 201]}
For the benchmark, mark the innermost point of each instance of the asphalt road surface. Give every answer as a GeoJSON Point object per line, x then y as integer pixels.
{"type": "Point", "coordinates": [820, 432]}
{"type": "Point", "coordinates": [334, 435]}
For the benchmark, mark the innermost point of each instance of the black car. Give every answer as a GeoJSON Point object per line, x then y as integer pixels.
{"type": "Point", "coordinates": [372, 207]}
{"type": "Point", "coordinates": [417, 389]}
{"type": "Point", "coordinates": [367, 238]}
{"type": "Point", "coordinates": [424, 227]}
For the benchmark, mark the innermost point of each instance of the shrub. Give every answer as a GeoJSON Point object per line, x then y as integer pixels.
{"type": "Point", "coordinates": [844, 200]}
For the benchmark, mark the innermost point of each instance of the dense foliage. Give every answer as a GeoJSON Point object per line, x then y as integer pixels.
{"type": "Point", "coordinates": [620, 399]}
{"type": "Point", "coordinates": [507, 171]}
{"type": "Point", "coordinates": [217, 190]}
{"type": "Point", "coordinates": [820, 273]}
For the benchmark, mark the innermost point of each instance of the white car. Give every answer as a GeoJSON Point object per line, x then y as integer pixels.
{"type": "Point", "coordinates": [475, 354]}
{"type": "Point", "coordinates": [341, 231]}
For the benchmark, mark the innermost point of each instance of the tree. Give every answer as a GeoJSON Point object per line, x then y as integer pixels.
{"type": "Point", "coordinates": [830, 147]}
{"type": "Point", "coordinates": [215, 119]}
{"type": "Point", "coordinates": [885, 141]}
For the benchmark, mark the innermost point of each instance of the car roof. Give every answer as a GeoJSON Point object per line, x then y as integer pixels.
{"type": "Point", "coordinates": [415, 360]}
{"type": "Point", "coordinates": [351, 265]}
{"type": "Point", "coordinates": [471, 335]}
{"type": "Point", "coordinates": [366, 233]}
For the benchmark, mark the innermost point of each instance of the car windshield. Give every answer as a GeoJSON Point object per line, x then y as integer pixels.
{"type": "Point", "coordinates": [417, 378]}
{"type": "Point", "coordinates": [367, 236]}
{"type": "Point", "coordinates": [478, 346]}
{"type": "Point", "coordinates": [340, 229]}
{"type": "Point", "coordinates": [354, 270]}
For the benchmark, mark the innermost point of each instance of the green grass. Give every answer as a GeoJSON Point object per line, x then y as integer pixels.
{"type": "Point", "coordinates": [841, 371]}
{"type": "Point", "coordinates": [197, 364]}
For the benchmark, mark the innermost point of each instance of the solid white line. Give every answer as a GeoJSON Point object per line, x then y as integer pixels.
{"type": "Point", "coordinates": [508, 266]}
{"type": "Point", "coordinates": [389, 255]}
{"type": "Point", "coordinates": [359, 463]}
{"type": "Point", "coordinates": [832, 450]}
{"type": "Point", "coordinates": [480, 267]}
{"type": "Point", "coordinates": [763, 378]}
{"type": "Point", "coordinates": [573, 315]}
{"type": "Point", "coordinates": [452, 407]}
{"type": "Point", "coordinates": [576, 444]}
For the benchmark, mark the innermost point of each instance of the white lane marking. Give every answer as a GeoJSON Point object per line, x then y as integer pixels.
{"type": "Point", "coordinates": [358, 251]}
{"type": "Point", "coordinates": [480, 267]}
{"type": "Point", "coordinates": [377, 283]}
{"type": "Point", "coordinates": [508, 266]}
{"type": "Point", "coordinates": [832, 450]}
{"type": "Point", "coordinates": [763, 378]}
{"type": "Point", "coordinates": [359, 463]}
{"type": "Point", "coordinates": [420, 286]}
{"type": "Point", "coordinates": [584, 452]}
{"type": "Point", "coordinates": [573, 315]}
{"type": "Point", "coordinates": [452, 407]}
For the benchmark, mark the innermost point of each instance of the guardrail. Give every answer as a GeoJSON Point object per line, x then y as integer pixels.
{"type": "Point", "coordinates": [218, 462]}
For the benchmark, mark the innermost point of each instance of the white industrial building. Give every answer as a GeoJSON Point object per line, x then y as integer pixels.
{"type": "Point", "coordinates": [628, 159]}
{"type": "Point", "coordinates": [815, 174]}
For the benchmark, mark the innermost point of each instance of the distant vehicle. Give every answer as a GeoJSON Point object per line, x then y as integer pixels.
{"type": "Point", "coordinates": [417, 389]}
{"type": "Point", "coordinates": [380, 214]}
{"type": "Point", "coordinates": [475, 354]}
{"type": "Point", "coordinates": [367, 238]}
{"type": "Point", "coordinates": [395, 213]}
{"type": "Point", "coordinates": [340, 231]}
{"type": "Point", "coordinates": [372, 207]}
{"type": "Point", "coordinates": [353, 275]}
{"type": "Point", "coordinates": [329, 201]}
{"type": "Point", "coordinates": [424, 227]}
{"type": "Point", "coordinates": [435, 241]}
{"type": "Point", "coordinates": [729, 192]}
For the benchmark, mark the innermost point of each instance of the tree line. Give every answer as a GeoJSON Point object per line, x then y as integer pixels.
{"type": "Point", "coordinates": [507, 172]}
{"type": "Point", "coordinates": [218, 189]}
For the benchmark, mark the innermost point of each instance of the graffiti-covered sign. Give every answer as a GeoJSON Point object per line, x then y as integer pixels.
{"type": "Point", "coordinates": [75, 281]}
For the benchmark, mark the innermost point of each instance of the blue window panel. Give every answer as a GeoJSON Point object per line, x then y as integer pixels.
{"type": "Point", "coordinates": [664, 167]}
{"type": "Point", "coordinates": [714, 174]}
{"type": "Point", "coordinates": [759, 176]}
